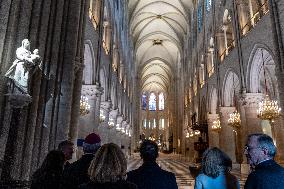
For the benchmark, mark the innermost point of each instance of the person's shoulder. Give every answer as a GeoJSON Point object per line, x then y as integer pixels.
{"type": "Point", "coordinates": [128, 185]}
{"type": "Point", "coordinates": [134, 172]}
{"type": "Point", "coordinates": [201, 176]}
{"type": "Point", "coordinates": [168, 173]}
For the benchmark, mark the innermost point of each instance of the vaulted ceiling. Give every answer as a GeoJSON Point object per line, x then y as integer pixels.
{"type": "Point", "coordinates": [158, 28]}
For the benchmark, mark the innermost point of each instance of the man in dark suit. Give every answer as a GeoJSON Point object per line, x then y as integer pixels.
{"type": "Point", "coordinates": [150, 175]}
{"type": "Point", "coordinates": [267, 174]}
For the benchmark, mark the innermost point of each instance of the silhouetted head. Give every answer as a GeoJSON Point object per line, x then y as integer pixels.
{"type": "Point", "coordinates": [108, 165]}
{"type": "Point", "coordinates": [66, 147]}
{"type": "Point", "coordinates": [53, 162]}
{"type": "Point", "coordinates": [149, 151]}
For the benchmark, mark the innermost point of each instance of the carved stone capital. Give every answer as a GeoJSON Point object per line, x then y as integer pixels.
{"type": "Point", "coordinates": [212, 117]}
{"type": "Point", "coordinates": [106, 106]}
{"type": "Point", "coordinates": [226, 111]}
{"type": "Point", "coordinates": [119, 119]}
{"type": "Point", "coordinates": [89, 91]}
{"type": "Point", "coordinates": [251, 99]}
{"type": "Point", "coordinates": [113, 113]}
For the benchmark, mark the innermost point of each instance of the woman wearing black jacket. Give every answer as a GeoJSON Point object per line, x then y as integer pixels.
{"type": "Point", "coordinates": [48, 176]}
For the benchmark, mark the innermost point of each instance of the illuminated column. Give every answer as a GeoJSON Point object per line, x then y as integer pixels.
{"type": "Point", "coordinates": [213, 136]}
{"type": "Point", "coordinates": [225, 28]}
{"type": "Point", "coordinates": [251, 12]}
{"type": "Point", "coordinates": [226, 137]}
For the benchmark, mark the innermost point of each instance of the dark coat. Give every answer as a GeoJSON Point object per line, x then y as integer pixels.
{"type": "Point", "coordinates": [267, 175]}
{"type": "Point", "coordinates": [77, 173]}
{"type": "Point", "coordinates": [117, 185]}
{"type": "Point", "coordinates": [151, 176]}
{"type": "Point", "coordinates": [45, 180]}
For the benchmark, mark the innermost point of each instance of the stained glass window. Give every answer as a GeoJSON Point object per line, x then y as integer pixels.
{"type": "Point", "coordinates": [162, 124]}
{"type": "Point", "coordinates": [154, 123]}
{"type": "Point", "coordinates": [144, 102]}
{"type": "Point", "coordinates": [161, 101]}
{"type": "Point", "coordinates": [208, 5]}
{"type": "Point", "coordinates": [152, 102]}
{"type": "Point", "coordinates": [199, 16]}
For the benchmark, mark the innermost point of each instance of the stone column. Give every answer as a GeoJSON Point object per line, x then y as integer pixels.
{"type": "Point", "coordinates": [98, 93]}
{"type": "Point", "coordinates": [278, 130]}
{"type": "Point", "coordinates": [67, 80]}
{"type": "Point", "coordinates": [226, 137]}
{"type": "Point", "coordinates": [103, 127]}
{"type": "Point", "coordinates": [73, 132]}
{"type": "Point", "coordinates": [250, 123]}
{"type": "Point", "coordinates": [213, 136]}
{"type": "Point", "coordinates": [12, 135]}
{"type": "Point", "coordinates": [118, 127]}
{"type": "Point", "coordinates": [112, 129]}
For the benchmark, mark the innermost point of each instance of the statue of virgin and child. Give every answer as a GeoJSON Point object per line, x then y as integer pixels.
{"type": "Point", "coordinates": [24, 66]}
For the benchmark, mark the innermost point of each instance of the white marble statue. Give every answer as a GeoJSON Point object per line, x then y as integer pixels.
{"type": "Point", "coordinates": [24, 66]}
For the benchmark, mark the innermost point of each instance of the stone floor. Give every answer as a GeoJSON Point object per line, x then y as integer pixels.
{"type": "Point", "coordinates": [178, 166]}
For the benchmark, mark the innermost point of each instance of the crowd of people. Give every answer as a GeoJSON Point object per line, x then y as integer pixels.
{"type": "Point", "coordinates": [105, 167]}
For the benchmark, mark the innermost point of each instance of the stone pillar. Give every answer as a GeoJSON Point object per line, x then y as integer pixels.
{"type": "Point", "coordinates": [73, 132]}
{"type": "Point", "coordinates": [12, 135]}
{"type": "Point", "coordinates": [278, 131]}
{"type": "Point", "coordinates": [103, 127]}
{"type": "Point", "coordinates": [250, 123]}
{"type": "Point", "coordinates": [67, 80]}
{"type": "Point", "coordinates": [226, 137]}
{"type": "Point", "coordinates": [98, 93]}
{"type": "Point", "coordinates": [112, 129]}
{"type": "Point", "coordinates": [213, 136]}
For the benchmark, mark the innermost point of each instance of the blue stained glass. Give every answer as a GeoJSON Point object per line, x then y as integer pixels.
{"type": "Point", "coordinates": [144, 102]}
{"type": "Point", "coordinates": [199, 16]}
{"type": "Point", "coordinates": [208, 5]}
{"type": "Point", "coordinates": [152, 102]}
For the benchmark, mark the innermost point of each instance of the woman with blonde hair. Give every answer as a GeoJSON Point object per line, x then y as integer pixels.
{"type": "Point", "coordinates": [108, 169]}
{"type": "Point", "coordinates": [215, 171]}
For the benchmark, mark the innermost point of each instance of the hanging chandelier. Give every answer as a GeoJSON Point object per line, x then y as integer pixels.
{"type": "Point", "coordinates": [187, 135]}
{"type": "Point", "coordinates": [235, 119]}
{"type": "Point", "coordinates": [216, 125]}
{"type": "Point", "coordinates": [84, 106]}
{"type": "Point", "coordinates": [268, 109]}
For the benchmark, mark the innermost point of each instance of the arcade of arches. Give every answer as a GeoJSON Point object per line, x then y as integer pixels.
{"type": "Point", "coordinates": [163, 70]}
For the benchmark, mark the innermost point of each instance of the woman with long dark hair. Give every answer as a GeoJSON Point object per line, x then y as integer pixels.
{"type": "Point", "coordinates": [215, 171]}
{"type": "Point", "coordinates": [48, 176]}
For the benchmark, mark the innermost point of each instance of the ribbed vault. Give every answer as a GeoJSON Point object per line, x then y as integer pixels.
{"type": "Point", "coordinates": [158, 28]}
